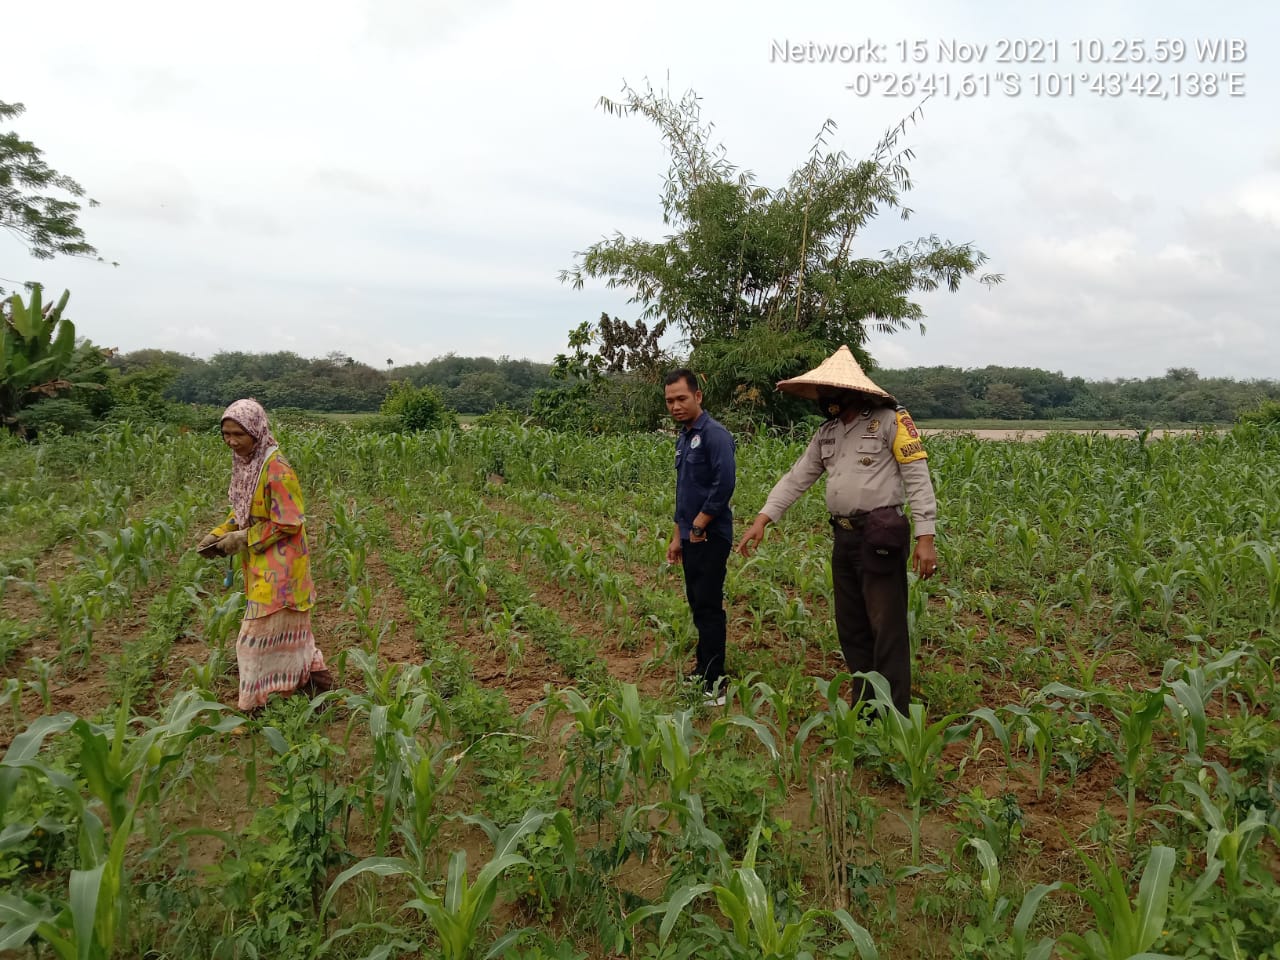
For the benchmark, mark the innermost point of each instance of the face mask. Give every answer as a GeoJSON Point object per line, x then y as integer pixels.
{"type": "Point", "coordinates": [829, 407]}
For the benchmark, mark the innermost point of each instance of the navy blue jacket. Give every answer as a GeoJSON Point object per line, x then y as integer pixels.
{"type": "Point", "coordinates": [705, 476]}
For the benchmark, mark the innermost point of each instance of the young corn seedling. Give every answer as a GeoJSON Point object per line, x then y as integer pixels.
{"type": "Point", "coordinates": [1231, 844]}
{"type": "Point", "coordinates": [748, 906]}
{"type": "Point", "coordinates": [1135, 716]}
{"type": "Point", "coordinates": [913, 747]}
{"type": "Point", "coordinates": [459, 914]}
{"type": "Point", "coordinates": [1034, 727]}
{"type": "Point", "coordinates": [1123, 930]}
{"type": "Point", "coordinates": [41, 673]}
{"type": "Point", "coordinates": [993, 920]}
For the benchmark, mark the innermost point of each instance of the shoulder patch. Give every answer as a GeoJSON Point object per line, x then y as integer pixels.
{"type": "Point", "coordinates": [907, 445]}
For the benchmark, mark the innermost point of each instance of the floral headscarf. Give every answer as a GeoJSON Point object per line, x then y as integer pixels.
{"type": "Point", "coordinates": [246, 470]}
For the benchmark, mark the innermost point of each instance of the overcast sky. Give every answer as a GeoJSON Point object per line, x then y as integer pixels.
{"type": "Point", "coordinates": [397, 179]}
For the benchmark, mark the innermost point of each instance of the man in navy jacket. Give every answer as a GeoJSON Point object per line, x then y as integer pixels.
{"type": "Point", "coordinates": [703, 534]}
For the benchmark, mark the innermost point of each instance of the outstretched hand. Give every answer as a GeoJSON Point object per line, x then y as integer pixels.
{"type": "Point", "coordinates": [752, 537]}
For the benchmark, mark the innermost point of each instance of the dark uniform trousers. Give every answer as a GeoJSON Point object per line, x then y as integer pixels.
{"type": "Point", "coordinates": [704, 568]}
{"type": "Point", "coordinates": [871, 617]}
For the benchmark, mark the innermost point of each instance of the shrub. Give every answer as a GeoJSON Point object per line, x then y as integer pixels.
{"type": "Point", "coordinates": [379, 423]}
{"type": "Point", "coordinates": [54, 416]}
{"type": "Point", "coordinates": [616, 404]}
{"type": "Point", "coordinates": [417, 408]}
{"type": "Point", "coordinates": [1266, 414]}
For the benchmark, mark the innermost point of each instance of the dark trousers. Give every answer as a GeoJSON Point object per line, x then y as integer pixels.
{"type": "Point", "coordinates": [704, 567]}
{"type": "Point", "coordinates": [871, 617]}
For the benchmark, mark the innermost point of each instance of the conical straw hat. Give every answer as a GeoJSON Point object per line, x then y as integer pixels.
{"type": "Point", "coordinates": [840, 371]}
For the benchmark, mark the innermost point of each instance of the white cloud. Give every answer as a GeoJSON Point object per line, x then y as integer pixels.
{"type": "Point", "coordinates": [1259, 197]}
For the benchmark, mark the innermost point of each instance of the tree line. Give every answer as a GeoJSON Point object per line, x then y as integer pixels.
{"type": "Point", "coordinates": [1025, 393]}
{"type": "Point", "coordinates": [477, 385]}
{"type": "Point", "coordinates": [336, 382]}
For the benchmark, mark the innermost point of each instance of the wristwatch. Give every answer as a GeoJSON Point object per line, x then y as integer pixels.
{"type": "Point", "coordinates": [698, 531]}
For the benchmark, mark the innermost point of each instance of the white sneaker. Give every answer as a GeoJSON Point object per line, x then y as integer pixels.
{"type": "Point", "coordinates": [712, 699]}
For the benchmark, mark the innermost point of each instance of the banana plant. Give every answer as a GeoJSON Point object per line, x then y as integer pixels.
{"type": "Point", "coordinates": [38, 353]}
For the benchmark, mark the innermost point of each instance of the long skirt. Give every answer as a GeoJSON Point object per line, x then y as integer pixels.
{"type": "Point", "coordinates": [276, 654]}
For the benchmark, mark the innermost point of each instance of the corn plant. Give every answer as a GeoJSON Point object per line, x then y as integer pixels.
{"type": "Point", "coordinates": [681, 752]}
{"type": "Point", "coordinates": [1269, 561]}
{"type": "Point", "coordinates": [993, 920]}
{"type": "Point", "coordinates": [504, 626]}
{"type": "Point", "coordinates": [753, 696]}
{"type": "Point", "coordinates": [124, 773]}
{"type": "Point", "coordinates": [679, 755]}
{"type": "Point", "coordinates": [1231, 843]}
{"type": "Point", "coordinates": [1135, 717]}
{"type": "Point", "coordinates": [846, 728]}
{"type": "Point", "coordinates": [1123, 930]}
{"type": "Point", "coordinates": [637, 737]}
{"type": "Point", "coordinates": [459, 913]}
{"type": "Point", "coordinates": [598, 787]}
{"type": "Point", "coordinates": [402, 773]}
{"type": "Point", "coordinates": [747, 905]}
{"type": "Point", "coordinates": [11, 691]}
{"type": "Point", "coordinates": [1211, 576]}
{"type": "Point", "coordinates": [1035, 730]}
{"type": "Point", "coordinates": [1135, 714]}
{"type": "Point", "coordinates": [428, 778]}
{"type": "Point", "coordinates": [913, 746]}
{"type": "Point", "coordinates": [460, 561]}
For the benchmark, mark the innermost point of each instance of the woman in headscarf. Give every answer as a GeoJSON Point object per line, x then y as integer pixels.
{"type": "Point", "coordinates": [276, 651]}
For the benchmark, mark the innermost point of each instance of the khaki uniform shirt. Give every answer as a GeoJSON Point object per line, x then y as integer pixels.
{"type": "Point", "coordinates": [869, 463]}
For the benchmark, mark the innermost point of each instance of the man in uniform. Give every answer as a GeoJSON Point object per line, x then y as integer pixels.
{"type": "Point", "coordinates": [703, 536]}
{"type": "Point", "coordinates": [871, 452]}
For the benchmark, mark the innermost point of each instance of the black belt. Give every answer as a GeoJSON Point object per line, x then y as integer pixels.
{"type": "Point", "coordinates": [849, 521]}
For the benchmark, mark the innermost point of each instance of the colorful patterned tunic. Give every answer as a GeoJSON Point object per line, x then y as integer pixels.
{"type": "Point", "coordinates": [277, 567]}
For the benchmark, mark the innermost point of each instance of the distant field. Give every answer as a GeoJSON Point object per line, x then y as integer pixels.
{"type": "Point", "coordinates": [348, 417]}
{"type": "Point", "coordinates": [1012, 426]}
{"type": "Point", "coordinates": [1041, 425]}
